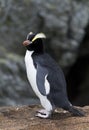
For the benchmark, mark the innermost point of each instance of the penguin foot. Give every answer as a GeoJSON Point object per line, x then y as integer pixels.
{"type": "Point", "coordinates": [43, 113]}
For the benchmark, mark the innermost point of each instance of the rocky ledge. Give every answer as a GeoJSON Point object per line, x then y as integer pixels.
{"type": "Point", "coordinates": [22, 118]}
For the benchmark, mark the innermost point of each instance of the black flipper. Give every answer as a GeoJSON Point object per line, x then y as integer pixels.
{"type": "Point", "coordinates": [40, 78]}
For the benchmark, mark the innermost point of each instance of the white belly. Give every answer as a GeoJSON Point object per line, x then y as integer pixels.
{"type": "Point", "coordinates": [31, 75]}
{"type": "Point", "coordinates": [31, 72]}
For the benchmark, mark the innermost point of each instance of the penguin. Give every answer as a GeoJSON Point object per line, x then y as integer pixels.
{"type": "Point", "coordinates": [46, 78]}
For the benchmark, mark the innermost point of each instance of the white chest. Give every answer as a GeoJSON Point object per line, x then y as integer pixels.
{"type": "Point", "coordinates": [31, 72]}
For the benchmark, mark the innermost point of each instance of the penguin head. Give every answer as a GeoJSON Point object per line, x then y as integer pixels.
{"type": "Point", "coordinates": [34, 42]}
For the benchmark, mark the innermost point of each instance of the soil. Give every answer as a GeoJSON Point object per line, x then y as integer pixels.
{"type": "Point", "coordinates": [22, 118]}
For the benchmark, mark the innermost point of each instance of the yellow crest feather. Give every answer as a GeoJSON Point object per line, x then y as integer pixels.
{"type": "Point", "coordinates": [39, 35]}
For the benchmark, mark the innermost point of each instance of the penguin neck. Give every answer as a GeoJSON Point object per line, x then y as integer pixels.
{"type": "Point", "coordinates": [29, 52]}
{"type": "Point", "coordinates": [36, 47]}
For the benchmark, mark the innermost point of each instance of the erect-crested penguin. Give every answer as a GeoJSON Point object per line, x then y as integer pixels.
{"type": "Point", "coordinates": [46, 78]}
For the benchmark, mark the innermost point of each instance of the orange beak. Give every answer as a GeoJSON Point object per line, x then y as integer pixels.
{"type": "Point", "coordinates": [26, 42]}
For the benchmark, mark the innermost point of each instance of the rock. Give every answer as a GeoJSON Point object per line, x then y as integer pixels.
{"type": "Point", "coordinates": [63, 22]}
{"type": "Point", "coordinates": [16, 118]}
{"type": "Point", "coordinates": [14, 88]}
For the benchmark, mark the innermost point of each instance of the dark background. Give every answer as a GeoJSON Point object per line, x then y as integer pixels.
{"type": "Point", "coordinates": [66, 25]}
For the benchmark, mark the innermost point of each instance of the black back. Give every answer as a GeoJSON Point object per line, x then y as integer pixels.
{"type": "Point", "coordinates": [56, 79]}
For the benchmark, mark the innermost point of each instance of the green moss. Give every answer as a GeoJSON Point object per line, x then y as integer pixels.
{"type": "Point", "coordinates": [26, 2]}
{"type": "Point", "coordinates": [14, 57]}
{"type": "Point", "coordinates": [2, 61]}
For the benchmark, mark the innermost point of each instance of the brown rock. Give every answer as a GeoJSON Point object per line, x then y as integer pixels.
{"type": "Point", "coordinates": [22, 118]}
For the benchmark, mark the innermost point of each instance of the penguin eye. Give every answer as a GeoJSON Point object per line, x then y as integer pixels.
{"type": "Point", "coordinates": [30, 37]}
{"type": "Point", "coordinates": [27, 37]}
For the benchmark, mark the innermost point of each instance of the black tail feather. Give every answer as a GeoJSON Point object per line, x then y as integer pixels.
{"type": "Point", "coordinates": [75, 111]}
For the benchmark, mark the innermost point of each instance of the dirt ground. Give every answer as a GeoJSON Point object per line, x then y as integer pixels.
{"type": "Point", "coordinates": [22, 118]}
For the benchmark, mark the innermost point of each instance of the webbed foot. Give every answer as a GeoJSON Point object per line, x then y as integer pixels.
{"type": "Point", "coordinates": [43, 113]}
